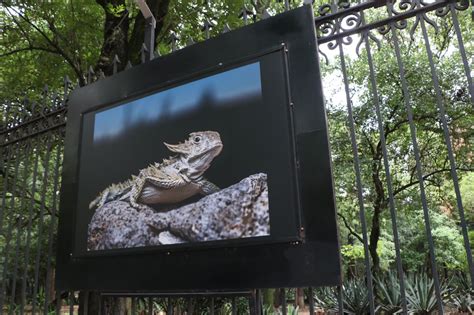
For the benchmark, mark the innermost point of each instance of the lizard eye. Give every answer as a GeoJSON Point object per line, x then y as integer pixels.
{"type": "Point", "coordinates": [197, 139]}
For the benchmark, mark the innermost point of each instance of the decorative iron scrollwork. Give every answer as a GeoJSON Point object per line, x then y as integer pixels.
{"type": "Point", "coordinates": [33, 120]}
{"type": "Point", "coordinates": [338, 22]}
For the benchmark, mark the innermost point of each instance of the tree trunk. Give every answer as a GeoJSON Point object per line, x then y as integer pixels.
{"type": "Point", "coordinates": [378, 206]}
{"type": "Point", "coordinates": [159, 8]}
{"type": "Point", "coordinates": [115, 42]}
{"type": "Point", "coordinates": [299, 298]}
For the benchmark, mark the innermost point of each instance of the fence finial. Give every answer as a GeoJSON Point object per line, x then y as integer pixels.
{"type": "Point", "coordinates": [206, 28]}
{"type": "Point", "coordinates": [90, 75]}
{"type": "Point", "coordinates": [143, 51]}
{"type": "Point", "coordinates": [173, 40]}
{"type": "Point", "coordinates": [226, 28]}
{"type": "Point", "coordinates": [244, 14]}
{"type": "Point", "coordinates": [265, 14]}
{"type": "Point", "coordinates": [115, 63]}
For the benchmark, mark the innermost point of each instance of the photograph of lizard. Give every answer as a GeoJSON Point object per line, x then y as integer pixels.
{"type": "Point", "coordinates": [180, 165]}
{"type": "Point", "coordinates": [174, 179]}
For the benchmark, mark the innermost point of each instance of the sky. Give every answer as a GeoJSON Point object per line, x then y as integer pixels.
{"type": "Point", "coordinates": [175, 101]}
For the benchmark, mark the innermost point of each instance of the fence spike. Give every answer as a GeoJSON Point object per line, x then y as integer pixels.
{"type": "Point", "coordinates": [25, 106]}
{"type": "Point", "coordinates": [101, 74]}
{"type": "Point", "coordinates": [129, 65]}
{"type": "Point", "coordinates": [226, 28]}
{"type": "Point", "coordinates": [115, 63]}
{"type": "Point", "coordinates": [143, 51]}
{"type": "Point", "coordinates": [244, 14]}
{"type": "Point", "coordinates": [265, 14]}
{"type": "Point", "coordinates": [33, 108]}
{"type": "Point", "coordinates": [173, 40]}
{"type": "Point", "coordinates": [157, 53]}
{"type": "Point", "coordinates": [66, 84]}
{"type": "Point", "coordinates": [206, 28]}
{"type": "Point", "coordinates": [90, 75]}
{"type": "Point", "coordinates": [190, 42]}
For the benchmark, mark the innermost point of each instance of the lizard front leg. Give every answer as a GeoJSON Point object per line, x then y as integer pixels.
{"type": "Point", "coordinates": [207, 187]}
{"type": "Point", "coordinates": [136, 192]}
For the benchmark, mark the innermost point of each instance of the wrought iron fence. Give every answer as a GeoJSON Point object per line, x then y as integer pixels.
{"type": "Point", "coordinates": [31, 142]}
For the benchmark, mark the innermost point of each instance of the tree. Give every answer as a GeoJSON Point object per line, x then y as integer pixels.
{"type": "Point", "coordinates": [434, 160]}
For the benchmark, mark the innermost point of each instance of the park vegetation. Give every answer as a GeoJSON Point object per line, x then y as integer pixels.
{"type": "Point", "coordinates": [41, 43]}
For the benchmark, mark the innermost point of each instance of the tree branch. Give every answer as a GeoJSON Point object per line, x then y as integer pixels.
{"type": "Point", "coordinates": [406, 186]}
{"type": "Point", "coordinates": [58, 49]}
{"type": "Point", "coordinates": [29, 48]}
{"type": "Point", "coordinates": [351, 231]}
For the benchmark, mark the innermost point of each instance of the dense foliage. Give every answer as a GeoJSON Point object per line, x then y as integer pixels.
{"type": "Point", "coordinates": [42, 42]}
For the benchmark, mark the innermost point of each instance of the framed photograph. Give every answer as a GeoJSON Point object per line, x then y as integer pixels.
{"type": "Point", "coordinates": [191, 162]}
{"type": "Point", "coordinates": [210, 161]}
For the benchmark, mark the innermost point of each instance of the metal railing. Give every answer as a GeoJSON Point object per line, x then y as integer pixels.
{"type": "Point", "coordinates": [31, 144]}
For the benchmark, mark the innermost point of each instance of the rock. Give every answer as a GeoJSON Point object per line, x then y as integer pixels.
{"type": "Point", "coordinates": [238, 211]}
{"type": "Point", "coordinates": [117, 225]}
{"type": "Point", "coordinates": [168, 238]}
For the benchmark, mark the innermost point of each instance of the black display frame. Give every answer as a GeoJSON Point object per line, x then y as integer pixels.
{"type": "Point", "coordinates": [311, 257]}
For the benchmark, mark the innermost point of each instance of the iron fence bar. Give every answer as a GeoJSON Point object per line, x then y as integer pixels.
{"type": "Point", "coordinates": [15, 264]}
{"type": "Point", "coordinates": [462, 51]}
{"type": "Point", "coordinates": [447, 140]}
{"type": "Point", "coordinates": [419, 171]}
{"type": "Point", "coordinates": [388, 177]}
{"type": "Point", "coordinates": [20, 223]}
{"type": "Point", "coordinates": [189, 302]}
{"type": "Point", "coordinates": [85, 304]}
{"type": "Point", "coordinates": [259, 302]}
{"type": "Point", "coordinates": [150, 306]}
{"type": "Point", "coordinates": [234, 306]}
{"type": "Point", "coordinates": [7, 153]}
{"type": "Point", "coordinates": [392, 19]}
{"type": "Point", "coordinates": [54, 207]}
{"type": "Point", "coordinates": [340, 298]}
{"type": "Point", "coordinates": [9, 232]}
{"type": "Point", "coordinates": [355, 153]}
{"type": "Point", "coordinates": [71, 303]}
{"type": "Point", "coordinates": [311, 300]}
{"type": "Point", "coordinates": [169, 310]}
{"type": "Point", "coordinates": [5, 185]}
{"type": "Point", "coordinates": [211, 307]}
{"type": "Point", "coordinates": [283, 301]}
{"type": "Point", "coordinates": [28, 230]}
{"type": "Point", "coordinates": [40, 223]}
{"type": "Point", "coordinates": [134, 305]}
{"type": "Point", "coordinates": [58, 303]}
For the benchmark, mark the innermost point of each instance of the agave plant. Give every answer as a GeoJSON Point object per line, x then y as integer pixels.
{"type": "Point", "coordinates": [462, 297]}
{"type": "Point", "coordinates": [388, 293]}
{"type": "Point", "coordinates": [356, 299]}
{"type": "Point", "coordinates": [463, 302]}
{"type": "Point", "coordinates": [420, 294]}
{"type": "Point", "coordinates": [326, 299]}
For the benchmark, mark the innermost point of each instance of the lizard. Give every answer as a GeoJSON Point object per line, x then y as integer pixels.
{"type": "Point", "coordinates": [174, 179]}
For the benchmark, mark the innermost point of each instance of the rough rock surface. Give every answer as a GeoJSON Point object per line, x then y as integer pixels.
{"type": "Point", "coordinates": [240, 210]}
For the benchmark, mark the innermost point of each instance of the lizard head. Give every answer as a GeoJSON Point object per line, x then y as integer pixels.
{"type": "Point", "coordinates": [198, 151]}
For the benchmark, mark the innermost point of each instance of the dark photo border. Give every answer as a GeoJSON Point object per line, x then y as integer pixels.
{"type": "Point", "coordinates": [306, 253]}
{"type": "Point", "coordinates": [285, 220]}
